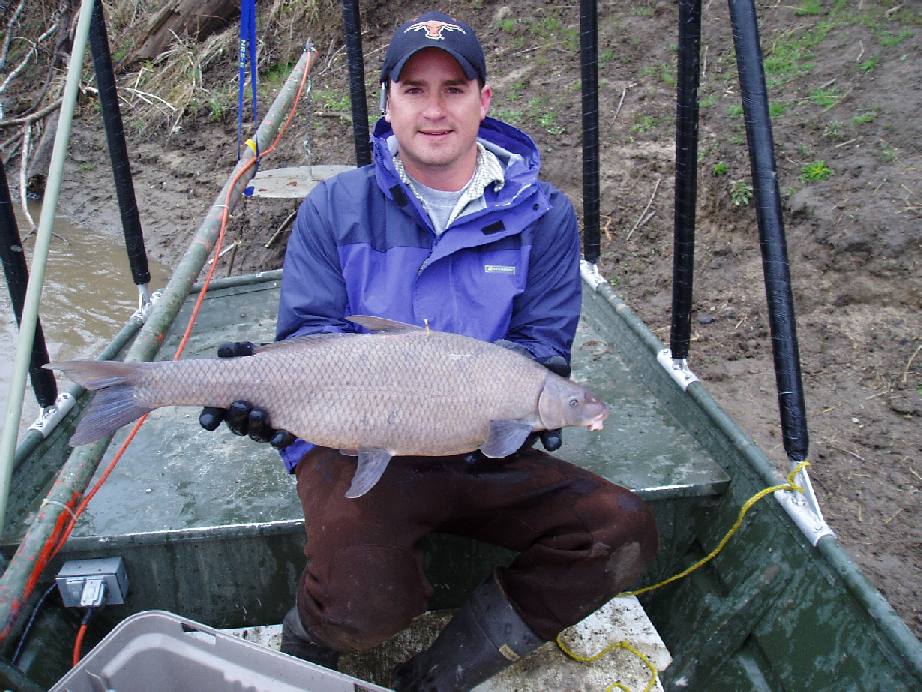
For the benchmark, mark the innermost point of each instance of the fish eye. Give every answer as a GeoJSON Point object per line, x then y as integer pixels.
{"type": "Point", "coordinates": [573, 402]}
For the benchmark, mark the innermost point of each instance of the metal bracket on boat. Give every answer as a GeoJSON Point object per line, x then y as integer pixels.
{"type": "Point", "coordinates": [804, 509]}
{"type": "Point", "coordinates": [146, 302]}
{"type": "Point", "coordinates": [52, 415]}
{"type": "Point", "coordinates": [590, 274]}
{"type": "Point", "coordinates": [677, 368]}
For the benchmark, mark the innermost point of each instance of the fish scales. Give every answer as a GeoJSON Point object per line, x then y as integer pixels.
{"type": "Point", "coordinates": [412, 393]}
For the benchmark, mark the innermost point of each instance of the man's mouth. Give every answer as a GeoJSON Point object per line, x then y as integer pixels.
{"type": "Point", "coordinates": [435, 133]}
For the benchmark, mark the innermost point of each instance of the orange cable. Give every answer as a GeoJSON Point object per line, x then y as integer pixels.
{"type": "Point", "coordinates": [78, 644]}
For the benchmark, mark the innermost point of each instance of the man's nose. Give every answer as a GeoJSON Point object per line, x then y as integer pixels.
{"type": "Point", "coordinates": [434, 108]}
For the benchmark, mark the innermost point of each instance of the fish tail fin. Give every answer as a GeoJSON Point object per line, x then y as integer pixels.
{"type": "Point", "coordinates": [113, 405]}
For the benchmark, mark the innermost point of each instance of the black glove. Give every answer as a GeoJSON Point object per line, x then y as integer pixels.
{"type": "Point", "coordinates": [241, 417]}
{"type": "Point", "coordinates": [551, 440]}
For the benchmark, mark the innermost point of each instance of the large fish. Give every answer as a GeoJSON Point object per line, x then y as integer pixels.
{"type": "Point", "coordinates": [401, 391]}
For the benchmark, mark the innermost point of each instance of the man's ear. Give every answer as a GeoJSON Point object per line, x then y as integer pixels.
{"type": "Point", "coordinates": [486, 95]}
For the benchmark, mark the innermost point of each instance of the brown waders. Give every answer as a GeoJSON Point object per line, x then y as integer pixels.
{"type": "Point", "coordinates": [580, 540]}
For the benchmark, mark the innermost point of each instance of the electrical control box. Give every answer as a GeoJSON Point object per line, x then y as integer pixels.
{"type": "Point", "coordinates": [93, 583]}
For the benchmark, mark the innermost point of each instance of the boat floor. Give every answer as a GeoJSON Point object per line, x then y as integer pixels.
{"type": "Point", "coordinates": [548, 668]}
{"type": "Point", "coordinates": [177, 477]}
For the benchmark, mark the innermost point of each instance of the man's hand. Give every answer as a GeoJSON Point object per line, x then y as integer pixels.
{"type": "Point", "coordinates": [242, 417]}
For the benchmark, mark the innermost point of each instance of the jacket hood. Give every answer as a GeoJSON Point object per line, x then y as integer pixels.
{"type": "Point", "coordinates": [515, 149]}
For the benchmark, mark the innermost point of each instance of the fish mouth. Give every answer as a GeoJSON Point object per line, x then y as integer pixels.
{"type": "Point", "coordinates": [597, 422]}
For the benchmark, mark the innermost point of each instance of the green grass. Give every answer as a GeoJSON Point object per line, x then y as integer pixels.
{"type": "Point", "coordinates": [776, 109]}
{"type": "Point", "coordinates": [870, 64]}
{"type": "Point", "coordinates": [735, 111]}
{"type": "Point", "coordinates": [332, 100]}
{"type": "Point", "coordinates": [507, 25]}
{"type": "Point", "coordinates": [708, 101]}
{"type": "Point", "coordinates": [815, 172]}
{"type": "Point", "coordinates": [889, 39]}
{"type": "Point", "coordinates": [513, 116]}
{"type": "Point", "coordinates": [644, 123]}
{"type": "Point", "coordinates": [825, 98]}
{"type": "Point", "coordinates": [865, 118]}
{"type": "Point", "coordinates": [606, 56]}
{"type": "Point", "coordinates": [792, 56]}
{"type": "Point", "coordinates": [809, 8]}
{"type": "Point", "coordinates": [888, 154]}
{"type": "Point", "coordinates": [720, 168]}
{"type": "Point", "coordinates": [835, 130]}
{"type": "Point", "coordinates": [515, 91]}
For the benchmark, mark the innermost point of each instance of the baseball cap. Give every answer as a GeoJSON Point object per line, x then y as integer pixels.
{"type": "Point", "coordinates": [435, 30]}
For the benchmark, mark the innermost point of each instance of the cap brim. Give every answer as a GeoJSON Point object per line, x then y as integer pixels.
{"type": "Point", "coordinates": [466, 66]}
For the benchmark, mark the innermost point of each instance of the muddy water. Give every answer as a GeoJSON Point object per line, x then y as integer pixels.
{"type": "Point", "coordinates": [88, 296]}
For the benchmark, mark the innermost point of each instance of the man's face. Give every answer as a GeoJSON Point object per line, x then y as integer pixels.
{"type": "Point", "coordinates": [435, 112]}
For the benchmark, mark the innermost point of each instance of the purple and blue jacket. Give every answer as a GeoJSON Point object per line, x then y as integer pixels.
{"type": "Point", "coordinates": [362, 244]}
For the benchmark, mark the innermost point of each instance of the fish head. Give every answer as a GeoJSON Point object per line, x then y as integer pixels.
{"type": "Point", "coordinates": [564, 404]}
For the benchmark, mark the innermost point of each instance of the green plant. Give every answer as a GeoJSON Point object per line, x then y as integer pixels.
{"type": "Point", "coordinates": [887, 153]}
{"type": "Point", "coordinates": [735, 111]}
{"type": "Point", "coordinates": [814, 172]}
{"type": "Point", "coordinates": [776, 108]}
{"type": "Point", "coordinates": [549, 122]}
{"type": "Point", "coordinates": [809, 8]}
{"type": "Point", "coordinates": [507, 25]}
{"type": "Point", "coordinates": [514, 93]}
{"type": "Point", "coordinates": [834, 130]}
{"type": "Point", "coordinates": [708, 101]}
{"type": "Point", "coordinates": [870, 64]}
{"type": "Point", "coordinates": [512, 116]}
{"type": "Point", "coordinates": [825, 98]}
{"type": "Point", "coordinates": [644, 123]}
{"type": "Point", "coordinates": [606, 56]}
{"type": "Point", "coordinates": [332, 100]}
{"type": "Point", "coordinates": [888, 39]}
{"type": "Point", "coordinates": [667, 74]}
{"type": "Point", "coordinates": [865, 118]}
{"type": "Point", "coordinates": [720, 168]}
{"type": "Point", "coordinates": [740, 193]}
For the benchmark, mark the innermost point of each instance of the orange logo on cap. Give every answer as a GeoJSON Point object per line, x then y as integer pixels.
{"type": "Point", "coordinates": [434, 29]}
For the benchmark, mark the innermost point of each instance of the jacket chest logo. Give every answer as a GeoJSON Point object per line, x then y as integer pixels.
{"type": "Point", "coordinates": [499, 269]}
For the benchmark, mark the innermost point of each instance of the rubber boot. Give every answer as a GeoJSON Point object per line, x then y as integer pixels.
{"type": "Point", "coordinates": [297, 642]}
{"type": "Point", "coordinates": [485, 636]}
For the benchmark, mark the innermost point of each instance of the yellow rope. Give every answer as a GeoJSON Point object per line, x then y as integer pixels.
{"type": "Point", "coordinates": [611, 647]}
{"type": "Point", "coordinates": [790, 485]}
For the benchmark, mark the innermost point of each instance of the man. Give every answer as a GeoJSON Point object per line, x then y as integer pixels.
{"type": "Point", "coordinates": [452, 227]}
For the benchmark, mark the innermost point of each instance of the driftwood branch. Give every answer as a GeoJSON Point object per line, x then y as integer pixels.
{"type": "Point", "coordinates": [24, 163]}
{"type": "Point", "coordinates": [644, 217]}
{"type": "Point", "coordinates": [32, 117]}
{"type": "Point", "coordinates": [196, 18]}
{"type": "Point", "coordinates": [8, 39]}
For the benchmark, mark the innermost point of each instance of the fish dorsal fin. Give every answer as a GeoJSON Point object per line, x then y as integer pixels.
{"type": "Point", "coordinates": [301, 341]}
{"type": "Point", "coordinates": [506, 437]}
{"type": "Point", "coordinates": [371, 466]}
{"type": "Point", "coordinates": [381, 324]}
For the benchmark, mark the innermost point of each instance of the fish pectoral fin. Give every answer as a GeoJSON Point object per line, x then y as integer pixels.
{"type": "Point", "coordinates": [506, 437]}
{"type": "Point", "coordinates": [371, 466]}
